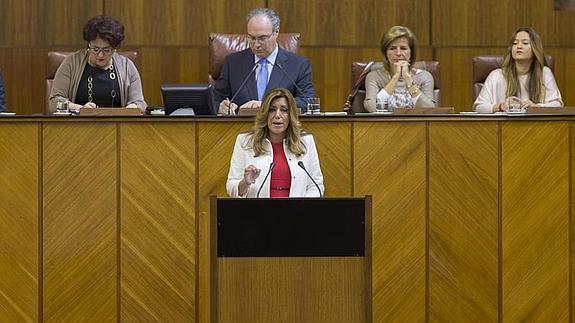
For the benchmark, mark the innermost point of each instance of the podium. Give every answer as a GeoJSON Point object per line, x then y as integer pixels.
{"type": "Point", "coordinates": [291, 260]}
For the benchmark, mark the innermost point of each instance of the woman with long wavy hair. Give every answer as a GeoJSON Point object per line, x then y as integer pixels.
{"type": "Point", "coordinates": [278, 146]}
{"type": "Point", "coordinates": [523, 75]}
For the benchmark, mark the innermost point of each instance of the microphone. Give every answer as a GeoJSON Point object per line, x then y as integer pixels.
{"type": "Point", "coordinates": [243, 83]}
{"type": "Point", "coordinates": [347, 106]}
{"type": "Point", "coordinates": [305, 97]}
{"type": "Point", "coordinates": [300, 164]}
{"type": "Point", "coordinates": [272, 165]}
{"type": "Point", "coordinates": [289, 78]}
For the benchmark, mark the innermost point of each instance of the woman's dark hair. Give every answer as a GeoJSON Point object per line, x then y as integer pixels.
{"type": "Point", "coordinates": [106, 28]}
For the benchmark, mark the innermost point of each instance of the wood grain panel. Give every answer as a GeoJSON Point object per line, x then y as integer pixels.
{"type": "Point", "coordinates": [19, 224]}
{"type": "Point", "coordinates": [535, 223]}
{"type": "Point", "coordinates": [160, 65]}
{"type": "Point", "coordinates": [333, 143]}
{"type": "Point", "coordinates": [456, 75]}
{"type": "Point", "coordinates": [65, 20]}
{"type": "Point", "coordinates": [463, 222]}
{"type": "Point", "coordinates": [331, 70]}
{"type": "Point", "coordinates": [24, 71]}
{"type": "Point", "coordinates": [389, 163]}
{"type": "Point", "coordinates": [158, 224]}
{"type": "Point", "coordinates": [179, 22]}
{"type": "Point", "coordinates": [215, 146]}
{"type": "Point", "coordinates": [352, 23]}
{"type": "Point", "coordinates": [492, 22]}
{"type": "Point", "coordinates": [80, 194]}
{"type": "Point", "coordinates": [572, 219]}
{"type": "Point", "coordinates": [23, 22]}
{"type": "Point", "coordinates": [312, 289]}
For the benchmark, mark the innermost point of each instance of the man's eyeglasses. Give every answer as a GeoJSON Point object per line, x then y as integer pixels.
{"type": "Point", "coordinates": [98, 50]}
{"type": "Point", "coordinates": [261, 39]}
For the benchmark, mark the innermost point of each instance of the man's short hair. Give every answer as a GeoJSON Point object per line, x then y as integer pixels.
{"type": "Point", "coordinates": [268, 12]}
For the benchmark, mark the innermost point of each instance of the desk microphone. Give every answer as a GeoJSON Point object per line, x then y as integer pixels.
{"type": "Point", "coordinates": [272, 165]}
{"type": "Point", "coordinates": [243, 83]}
{"type": "Point", "coordinates": [300, 164]}
{"type": "Point", "coordinates": [290, 79]}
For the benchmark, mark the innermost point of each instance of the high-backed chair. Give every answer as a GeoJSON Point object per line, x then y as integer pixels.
{"type": "Point", "coordinates": [483, 65]}
{"type": "Point", "coordinates": [55, 59]}
{"type": "Point", "coordinates": [359, 72]}
{"type": "Point", "coordinates": [221, 45]}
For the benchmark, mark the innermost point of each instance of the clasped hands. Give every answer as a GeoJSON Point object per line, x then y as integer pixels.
{"type": "Point", "coordinates": [504, 106]}
{"type": "Point", "coordinates": [228, 107]}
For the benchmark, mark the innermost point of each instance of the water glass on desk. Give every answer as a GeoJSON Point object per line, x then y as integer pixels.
{"type": "Point", "coordinates": [62, 108]}
{"type": "Point", "coordinates": [313, 106]}
{"type": "Point", "coordinates": [380, 105]}
{"type": "Point", "coordinates": [515, 105]}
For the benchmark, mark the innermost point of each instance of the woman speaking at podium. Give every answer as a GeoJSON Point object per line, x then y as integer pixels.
{"type": "Point", "coordinates": [276, 158]}
{"type": "Point", "coordinates": [97, 75]}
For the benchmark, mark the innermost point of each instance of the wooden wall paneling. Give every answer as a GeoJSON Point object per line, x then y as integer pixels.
{"type": "Point", "coordinates": [563, 71]}
{"type": "Point", "coordinates": [179, 22]}
{"type": "Point", "coordinates": [333, 143]}
{"type": "Point", "coordinates": [160, 65]}
{"type": "Point", "coordinates": [24, 72]}
{"type": "Point", "coordinates": [215, 146]}
{"type": "Point", "coordinates": [390, 164]}
{"type": "Point", "coordinates": [158, 223]}
{"type": "Point", "coordinates": [535, 223]}
{"type": "Point", "coordinates": [572, 220]}
{"type": "Point", "coordinates": [80, 210]}
{"type": "Point", "coordinates": [456, 75]}
{"type": "Point", "coordinates": [351, 23]}
{"type": "Point", "coordinates": [65, 20]}
{"type": "Point", "coordinates": [463, 222]}
{"type": "Point", "coordinates": [19, 223]}
{"type": "Point", "coordinates": [23, 23]}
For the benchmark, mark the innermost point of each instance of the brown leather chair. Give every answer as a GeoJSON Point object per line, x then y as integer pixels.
{"type": "Point", "coordinates": [483, 65]}
{"type": "Point", "coordinates": [54, 61]}
{"type": "Point", "coordinates": [359, 72]}
{"type": "Point", "coordinates": [221, 45]}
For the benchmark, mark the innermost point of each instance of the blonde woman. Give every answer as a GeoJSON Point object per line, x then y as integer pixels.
{"type": "Point", "coordinates": [271, 160]}
{"type": "Point", "coordinates": [523, 75]}
{"type": "Point", "coordinates": [399, 48]}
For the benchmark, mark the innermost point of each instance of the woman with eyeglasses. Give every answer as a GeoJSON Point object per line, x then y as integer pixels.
{"type": "Point", "coordinates": [97, 76]}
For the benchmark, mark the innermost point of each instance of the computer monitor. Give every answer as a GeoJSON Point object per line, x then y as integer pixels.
{"type": "Point", "coordinates": [188, 97]}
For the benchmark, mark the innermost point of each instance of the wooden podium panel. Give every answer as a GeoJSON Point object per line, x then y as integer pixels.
{"type": "Point", "coordinates": [19, 222]}
{"type": "Point", "coordinates": [80, 222]}
{"type": "Point", "coordinates": [535, 220]}
{"type": "Point", "coordinates": [291, 260]}
{"type": "Point", "coordinates": [270, 290]}
{"type": "Point", "coordinates": [158, 231]}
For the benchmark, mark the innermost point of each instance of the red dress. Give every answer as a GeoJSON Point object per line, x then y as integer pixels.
{"type": "Point", "coordinates": [280, 181]}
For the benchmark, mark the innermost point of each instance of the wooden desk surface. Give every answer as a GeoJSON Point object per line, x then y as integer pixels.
{"type": "Point", "coordinates": [108, 216]}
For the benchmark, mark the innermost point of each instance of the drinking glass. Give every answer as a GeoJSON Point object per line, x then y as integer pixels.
{"type": "Point", "coordinates": [313, 106]}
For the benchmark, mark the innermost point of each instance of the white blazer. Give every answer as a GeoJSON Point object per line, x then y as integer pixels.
{"type": "Point", "coordinates": [301, 184]}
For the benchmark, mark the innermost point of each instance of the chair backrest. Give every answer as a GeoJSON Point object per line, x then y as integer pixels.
{"type": "Point", "coordinates": [55, 59]}
{"type": "Point", "coordinates": [221, 45]}
{"type": "Point", "coordinates": [358, 77]}
{"type": "Point", "coordinates": [483, 65]}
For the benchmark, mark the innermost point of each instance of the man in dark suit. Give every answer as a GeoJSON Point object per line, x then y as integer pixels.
{"type": "Point", "coordinates": [2, 102]}
{"type": "Point", "coordinates": [272, 67]}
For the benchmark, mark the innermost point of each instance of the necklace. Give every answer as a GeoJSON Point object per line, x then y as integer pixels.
{"type": "Point", "coordinates": [91, 84]}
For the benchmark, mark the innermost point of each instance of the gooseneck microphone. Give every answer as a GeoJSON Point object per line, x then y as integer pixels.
{"type": "Point", "coordinates": [290, 79]}
{"type": "Point", "coordinates": [243, 83]}
{"type": "Point", "coordinates": [300, 164]}
{"type": "Point", "coordinates": [272, 165]}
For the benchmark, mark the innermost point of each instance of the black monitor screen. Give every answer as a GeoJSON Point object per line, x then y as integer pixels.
{"type": "Point", "coordinates": [197, 97]}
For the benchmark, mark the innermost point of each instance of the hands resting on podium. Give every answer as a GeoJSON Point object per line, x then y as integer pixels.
{"type": "Point", "coordinates": [228, 107]}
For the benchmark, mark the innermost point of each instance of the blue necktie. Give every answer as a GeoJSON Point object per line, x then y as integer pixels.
{"type": "Point", "coordinates": [262, 78]}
